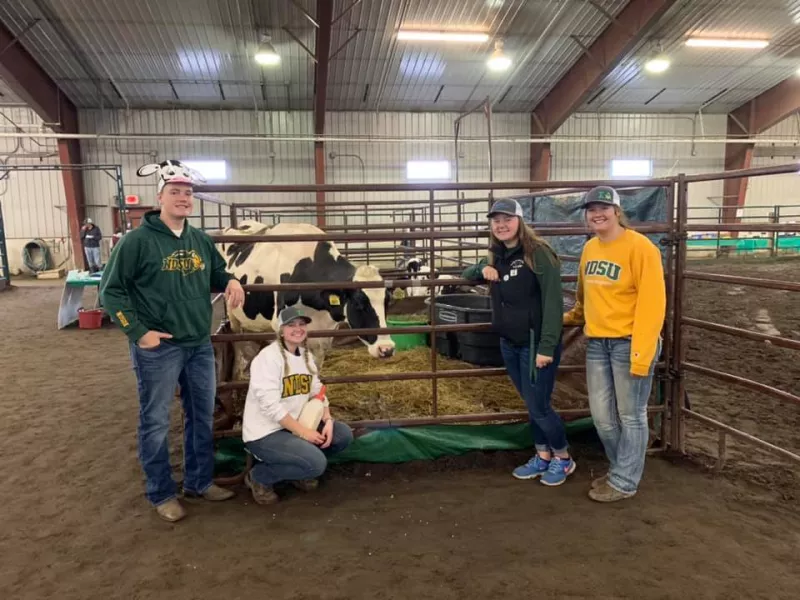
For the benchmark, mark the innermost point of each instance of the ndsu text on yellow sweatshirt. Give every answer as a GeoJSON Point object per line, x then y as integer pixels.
{"type": "Point", "coordinates": [621, 293]}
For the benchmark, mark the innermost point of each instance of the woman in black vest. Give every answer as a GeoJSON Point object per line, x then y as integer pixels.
{"type": "Point", "coordinates": [527, 307]}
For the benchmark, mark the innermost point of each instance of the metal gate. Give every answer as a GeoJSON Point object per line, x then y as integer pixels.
{"type": "Point", "coordinates": [5, 273]}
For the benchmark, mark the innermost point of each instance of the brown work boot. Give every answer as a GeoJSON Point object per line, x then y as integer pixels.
{"type": "Point", "coordinates": [605, 493]}
{"type": "Point", "coordinates": [306, 485]}
{"type": "Point", "coordinates": [599, 482]}
{"type": "Point", "coordinates": [171, 510]}
{"type": "Point", "coordinates": [212, 494]}
{"type": "Point", "coordinates": [262, 494]}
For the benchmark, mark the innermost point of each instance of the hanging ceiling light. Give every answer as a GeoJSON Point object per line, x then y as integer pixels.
{"type": "Point", "coordinates": [658, 64]}
{"type": "Point", "coordinates": [266, 53]}
{"type": "Point", "coordinates": [498, 61]}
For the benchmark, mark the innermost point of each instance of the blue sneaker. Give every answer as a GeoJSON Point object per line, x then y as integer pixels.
{"type": "Point", "coordinates": [535, 467]}
{"type": "Point", "coordinates": [558, 471]}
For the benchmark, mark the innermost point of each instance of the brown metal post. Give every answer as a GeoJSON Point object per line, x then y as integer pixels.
{"type": "Point", "coordinates": [431, 274]}
{"type": "Point", "coordinates": [678, 350]}
{"type": "Point", "coordinates": [219, 215]}
{"type": "Point", "coordinates": [776, 236]}
{"type": "Point", "coordinates": [670, 399]}
{"type": "Point", "coordinates": [234, 222]}
{"type": "Point", "coordinates": [366, 228]}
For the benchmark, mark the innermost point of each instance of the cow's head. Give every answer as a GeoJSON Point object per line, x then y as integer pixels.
{"type": "Point", "coordinates": [366, 309]}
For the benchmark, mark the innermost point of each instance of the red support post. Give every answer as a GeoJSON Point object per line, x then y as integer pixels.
{"type": "Point", "coordinates": [323, 52]}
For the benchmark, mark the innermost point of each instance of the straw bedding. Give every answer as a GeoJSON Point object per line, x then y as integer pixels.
{"type": "Point", "coordinates": [397, 399]}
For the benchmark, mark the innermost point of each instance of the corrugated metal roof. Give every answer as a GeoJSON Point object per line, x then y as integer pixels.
{"type": "Point", "coordinates": [714, 80]}
{"type": "Point", "coordinates": [198, 53]}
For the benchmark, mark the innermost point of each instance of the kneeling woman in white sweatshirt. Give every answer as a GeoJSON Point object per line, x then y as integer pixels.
{"type": "Point", "coordinates": [283, 378]}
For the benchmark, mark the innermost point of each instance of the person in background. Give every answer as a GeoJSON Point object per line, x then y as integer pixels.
{"type": "Point", "coordinates": [157, 287]}
{"type": "Point", "coordinates": [527, 308]}
{"type": "Point", "coordinates": [91, 236]}
{"type": "Point", "coordinates": [621, 301]}
{"type": "Point", "coordinates": [283, 378]}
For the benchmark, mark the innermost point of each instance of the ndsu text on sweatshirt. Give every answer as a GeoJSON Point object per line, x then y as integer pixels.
{"type": "Point", "coordinates": [272, 395]}
{"type": "Point", "coordinates": [155, 280]}
{"type": "Point", "coordinates": [621, 293]}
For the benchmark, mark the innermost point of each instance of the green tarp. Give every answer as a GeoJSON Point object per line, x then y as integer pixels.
{"type": "Point", "coordinates": [397, 445]}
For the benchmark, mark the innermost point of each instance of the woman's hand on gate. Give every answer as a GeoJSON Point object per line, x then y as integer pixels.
{"type": "Point", "coordinates": [543, 361]}
{"type": "Point", "coordinates": [489, 273]}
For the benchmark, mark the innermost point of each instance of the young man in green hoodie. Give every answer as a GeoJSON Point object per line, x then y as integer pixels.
{"type": "Point", "coordinates": [157, 287]}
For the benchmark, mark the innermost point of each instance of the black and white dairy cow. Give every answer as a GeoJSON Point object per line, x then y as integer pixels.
{"type": "Point", "coordinates": [304, 262]}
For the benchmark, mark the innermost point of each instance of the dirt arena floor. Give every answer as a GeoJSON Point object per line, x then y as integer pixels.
{"type": "Point", "coordinates": [74, 523]}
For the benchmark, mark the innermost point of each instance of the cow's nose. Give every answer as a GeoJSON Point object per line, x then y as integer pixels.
{"type": "Point", "coordinates": [386, 352]}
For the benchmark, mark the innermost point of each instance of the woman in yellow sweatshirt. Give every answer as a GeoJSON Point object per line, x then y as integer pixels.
{"type": "Point", "coordinates": [621, 301]}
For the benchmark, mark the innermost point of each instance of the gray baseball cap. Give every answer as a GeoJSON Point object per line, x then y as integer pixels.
{"type": "Point", "coordinates": [505, 206]}
{"type": "Point", "coordinates": [602, 195]}
{"type": "Point", "coordinates": [289, 314]}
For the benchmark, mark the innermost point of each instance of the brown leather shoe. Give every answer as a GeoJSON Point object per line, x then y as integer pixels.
{"type": "Point", "coordinates": [218, 494]}
{"type": "Point", "coordinates": [212, 494]}
{"type": "Point", "coordinates": [262, 494]}
{"type": "Point", "coordinates": [306, 485]}
{"type": "Point", "coordinates": [605, 493]}
{"type": "Point", "coordinates": [171, 510]}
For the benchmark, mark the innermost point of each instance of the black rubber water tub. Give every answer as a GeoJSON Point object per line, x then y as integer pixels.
{"type": "Point", "coordinates": [478, 348]}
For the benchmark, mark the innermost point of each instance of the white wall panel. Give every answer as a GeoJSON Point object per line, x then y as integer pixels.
{"type": "Point", "coordinates": [764, 193]}
{"type": "Point", "coordinates": [249, 162]}
{"type": "Point", "coordinates": [34, 204]}
{"type": "Point", "coordinates": [592, 160]}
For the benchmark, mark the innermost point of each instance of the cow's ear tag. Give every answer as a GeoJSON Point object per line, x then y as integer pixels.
{"type": "Point", "coordinates": [334, 300]}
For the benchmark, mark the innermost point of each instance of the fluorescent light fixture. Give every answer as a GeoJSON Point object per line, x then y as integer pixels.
{"type": "Point", "coordinates": [442, 36]}
{"type": "Point", "coordinates": [266, 53]}
{"type": "Point", "coordinates": [428, 170]}
{"type": "Point", "coordinates": [631, 168]}
{"type": "Point", "coordinates": [212, 170]}
{"type": "Point", "coordinates": [658, 64]}
{"type": "Point", "coordinates": [725, 43]}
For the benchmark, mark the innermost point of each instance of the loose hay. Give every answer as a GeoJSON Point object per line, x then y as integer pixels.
{"type": "Point", "coordinates": [401, 399]}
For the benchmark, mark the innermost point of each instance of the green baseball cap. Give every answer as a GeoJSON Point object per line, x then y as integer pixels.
{"type": "Point", "coordinates": [291, 313]}
{"type": "Point", "coordinates": [602, 195]}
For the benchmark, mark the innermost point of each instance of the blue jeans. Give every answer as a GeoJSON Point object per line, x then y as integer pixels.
{"type": "Point", "coordinates": [282, 456]}
{"type": "Point", "coordinates": [618, 402]}
{"type": "Point", "coordinates": [158, 372]}
{"type": "Point", "coordinates": [546, 425]}
{"type": "Point", "coordinates": [92, 257]}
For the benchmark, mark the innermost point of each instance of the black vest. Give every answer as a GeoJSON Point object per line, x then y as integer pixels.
{"type": "Point", "coordinates": [516, 298]}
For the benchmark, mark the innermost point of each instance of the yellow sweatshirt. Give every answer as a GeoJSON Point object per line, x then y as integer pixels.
{"type": "Point", "coordinates": [621, 293]}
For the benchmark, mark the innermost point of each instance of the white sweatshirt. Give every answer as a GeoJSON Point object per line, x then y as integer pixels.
{"type": "Point", "coordinates": [271, 396]}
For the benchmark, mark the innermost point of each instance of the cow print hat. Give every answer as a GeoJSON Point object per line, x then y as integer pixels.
{"type": "Point", "coordinates": [171, 171]}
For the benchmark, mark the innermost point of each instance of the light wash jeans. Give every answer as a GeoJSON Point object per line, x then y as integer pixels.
{"type": "Point", "coordinates": [618, 402]}
{"type": "Point", "coordinates": [158, 373]}
{"type": "Point", "coordinates": [93, 258]}
{"type": "Point", "coordinates": [282, 456]}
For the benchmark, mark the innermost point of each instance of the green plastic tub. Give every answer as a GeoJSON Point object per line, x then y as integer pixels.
{"type": "Point", "coordinates": [407, 341]}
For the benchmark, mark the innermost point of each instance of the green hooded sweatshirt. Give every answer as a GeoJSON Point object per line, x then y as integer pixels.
{"type": "Point", "coordinates": [155, 280]}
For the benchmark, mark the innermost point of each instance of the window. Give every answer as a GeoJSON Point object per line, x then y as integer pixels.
{"type": "Point", "coordinates": [428, 170]}
{"type": "Point", "coordinates": [631, 168]}
{"type": "Point", "coordinates": [212, 170]}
